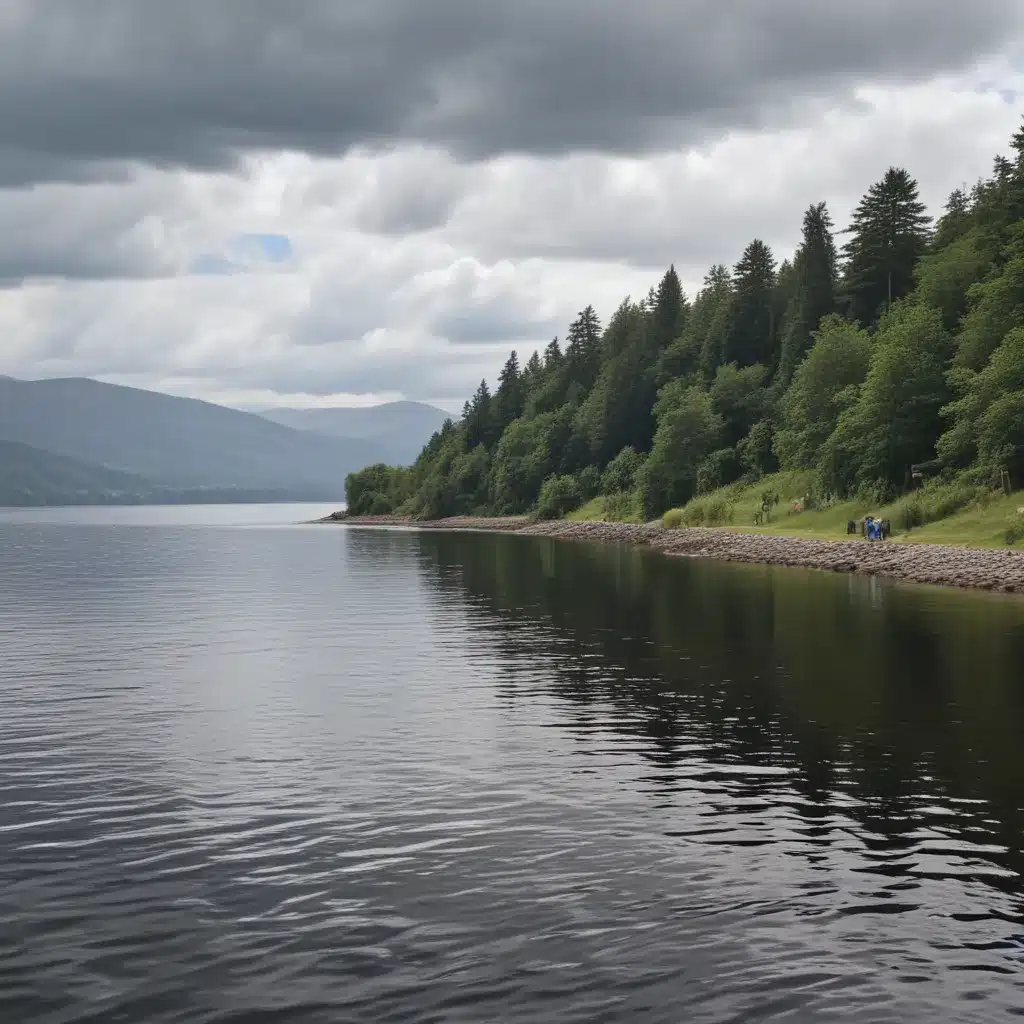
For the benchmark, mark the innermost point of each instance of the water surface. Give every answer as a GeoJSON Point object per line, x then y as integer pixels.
{"type": "Point", "coordinates": [256, 771]}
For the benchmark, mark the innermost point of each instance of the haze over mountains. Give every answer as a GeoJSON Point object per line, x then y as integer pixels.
{"type": "Point", "coordinates": [76, 440]}
{"type": "Point", "coordinates": [399, 429]}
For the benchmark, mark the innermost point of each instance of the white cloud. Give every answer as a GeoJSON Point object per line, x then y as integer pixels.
{"type": "Point", "coordinates": [413, 275]}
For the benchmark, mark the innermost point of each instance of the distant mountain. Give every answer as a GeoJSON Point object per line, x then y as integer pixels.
{"type": "Point", "coordinates": [176, 443]}
{"type": "Point", "coordinates": [30, 476]}
{"type": "Point", "coordinates": [399, 429]}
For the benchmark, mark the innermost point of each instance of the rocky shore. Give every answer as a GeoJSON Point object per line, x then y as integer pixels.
{"type": "Point", "coordinates": [1001, 570]}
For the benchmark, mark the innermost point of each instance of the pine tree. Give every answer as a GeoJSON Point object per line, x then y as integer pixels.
{"type": "Point", "coordinates": [815, 273]}
{"type": "Point", "coordinates": [477, 417]}
{"type": "Point", "coordinates": [583, 351]}
{"type": "Point", "coordinates": [710, 320]}
{"type": "Point", "coordinates": [889, 234]}
{"type": "Point", "coordinates": [955, 220]}
{"type": "Point", "coordinates": [753, 319]}
{"type": "Point", "coordinates": [510, 396]}
{"type": "Point", "coordinates": [553, 355]}
{"type": "Point", "coordinates": [668, 312]}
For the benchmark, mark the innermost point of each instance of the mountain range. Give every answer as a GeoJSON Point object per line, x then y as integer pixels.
{"type": "Point", "coordinates": [76, 440]}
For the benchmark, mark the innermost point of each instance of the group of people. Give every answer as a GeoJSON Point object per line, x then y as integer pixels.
{"type": "Point", "coordinates": [871, 528]}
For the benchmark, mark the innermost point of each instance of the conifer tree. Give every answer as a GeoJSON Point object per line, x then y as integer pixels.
{"type": "Point", "coordinates": [477, 417]}
{"type": "Point", "coordinates": [509, 398]}
{"type": "Point", "coordinates": [814, 297]}
{"type": "Point", "coordinates": [752, 322]}
{"type": "Point", "coordinates": [889, 234]}
{"type": "Point", "coordinates": [668, 312]}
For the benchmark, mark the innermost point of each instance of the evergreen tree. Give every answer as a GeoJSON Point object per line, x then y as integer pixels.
{"type": "Point", "coordinates": [553, 357]}
{"type": "Point", "coordinates": [814, 296]}
{"type": "Point", "coordinates": [583, 351]}
{"type": "Point", "coordinates": [668, 312]}
{"type": "Point", "coordinates": [478, 417]}
{"type": "Point", "coordinates": [710, 321]}
{"type": "Point", "coordinates": [753, 318]}
{"type": "Point", "coordinates": [889, 234]}
{"type": "Point", "coordinates": [509, 398]}
{"type": "Point", "coordinates": [955, 220]}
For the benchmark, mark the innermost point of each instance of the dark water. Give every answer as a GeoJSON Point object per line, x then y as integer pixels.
{"type": "Point", "coordinates": [260, 773]}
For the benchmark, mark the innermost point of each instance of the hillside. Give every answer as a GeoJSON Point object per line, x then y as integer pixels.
{"type": "Point", "coordinates": [175, 443]}
{"type": "Point", "coordinates": [887, 374]}
{"type": "Point", "coordinates": [29, 476]}
{"type": "Point", "coordinates": [398, 429]}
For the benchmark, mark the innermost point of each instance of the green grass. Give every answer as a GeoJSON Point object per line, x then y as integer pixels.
{"type": "Point", "coordinates": [952, 513]}
{"type": "Point", "coordinates": [613, 508]}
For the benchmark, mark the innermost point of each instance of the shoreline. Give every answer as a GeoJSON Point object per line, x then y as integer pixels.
{"type": "Point", "coordinates": [935, 564]}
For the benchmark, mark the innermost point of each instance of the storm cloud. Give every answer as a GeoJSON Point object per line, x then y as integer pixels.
{"type": "Point", "coordinates": [381, 197]}
{"type": "Point", "coordinates": [88, 85]}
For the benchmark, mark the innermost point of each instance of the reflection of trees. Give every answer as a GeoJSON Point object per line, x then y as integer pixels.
{"type": "Point", "coordinates": [893, 694]}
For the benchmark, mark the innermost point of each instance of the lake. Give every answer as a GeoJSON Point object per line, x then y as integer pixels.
{"type": "Point", "coordinates": [255, 771]}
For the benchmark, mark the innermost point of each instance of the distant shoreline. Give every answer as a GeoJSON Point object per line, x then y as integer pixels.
{"type": "Point", "coordinates": [942, 565]}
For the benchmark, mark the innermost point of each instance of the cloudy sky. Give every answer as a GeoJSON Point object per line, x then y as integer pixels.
{"type": "Point", "coordinates": [300, 202]}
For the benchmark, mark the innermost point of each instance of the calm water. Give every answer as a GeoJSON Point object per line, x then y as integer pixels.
{"type": "Point", "coordinates": [256, 772]}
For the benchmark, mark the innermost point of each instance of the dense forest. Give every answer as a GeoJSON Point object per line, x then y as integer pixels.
{"type": "Point", "coordinates": [903, 347]}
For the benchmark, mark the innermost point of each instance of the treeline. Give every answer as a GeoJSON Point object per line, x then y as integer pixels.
{"type": "Point", "coordinates": [904, 347]}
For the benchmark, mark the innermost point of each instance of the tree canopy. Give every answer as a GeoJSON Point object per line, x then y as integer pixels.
{"type": "Point", "coordinates": [905, 346]}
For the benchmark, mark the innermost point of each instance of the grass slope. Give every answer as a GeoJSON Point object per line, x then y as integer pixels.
{"type": "Point", "coordinates": [949, 514]}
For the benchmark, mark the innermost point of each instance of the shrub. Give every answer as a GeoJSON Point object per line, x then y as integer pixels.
{"type": "Point", "coordinates": [938, 500]}
{"type": "Point", "coordinates": [558, 495]}
{"type": "Point", "coordinates": [622, 507]}
{"type": "Point", "coordinates": [672, 519]}
{"type": "Point", "coordinates": [620, 474]}
{"type": "Point", "coordinates": [589, 482]}
{"type": "Point", "coordinates": [709, 511]}
{"type": "Point", "coordinates": [1015, 529]}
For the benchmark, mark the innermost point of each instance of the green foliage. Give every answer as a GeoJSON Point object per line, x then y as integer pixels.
{"type": "Point", "coordinates": [935, 501]}
{"type": "Point", "coordinates": [623, 507]}
{"type": "Point", "coordinates": [1014, 528]}
{"type": "Point", "coordinates": [558, 495]}
{"type": "Point", "coordinates": [895, 419]}
{"type": "Point", "coordinates": [945, 276]}
{"type": "Point", "coordinates": [753, 316]}
{"type": "Point", "coordinates": [988, 416]}
{"type": "Point", "coordinates": [688, 431]}
{"type": "Point", "coordinates": [888, 235]}
{"type": "Point", "coordinates": [995, 307]}
{"type": "Point", "coordinates": [825, 383]}
{"type": "Point", "coordinates": [689, 404]}
{"type": "Point", "coordinates": [377, 490]}
{"type": "Point", "coordinates": [620, 474]}
{"type": "Point", "coordinates": [814, 295]}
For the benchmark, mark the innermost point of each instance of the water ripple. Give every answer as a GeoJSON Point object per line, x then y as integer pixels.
{"type": "Point", "coordinates": [322, 775]}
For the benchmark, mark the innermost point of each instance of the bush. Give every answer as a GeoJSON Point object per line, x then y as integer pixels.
{"type": "Point", "coordinates": [589, 482]}
{"type": "Point", "coordinates": [717, 470]}
{"type": "Point", "coordinates": [938, 500]}
{"type": "Point", "coordinates": [558, 495]}
{"type": "Point", "coordinates": [620, 474]}
{"type": "Point", "coordinates": [1015, 529]}
{"type": "Point", "coordinates": [622, 507]}
{"type": "Point", "coordinates": [709, 511]}
{"type": "Point", "coordinates": [672, 519]}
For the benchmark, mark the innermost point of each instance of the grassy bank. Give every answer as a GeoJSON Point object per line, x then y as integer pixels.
{"type": "Point", "coordinates": [951, 513]}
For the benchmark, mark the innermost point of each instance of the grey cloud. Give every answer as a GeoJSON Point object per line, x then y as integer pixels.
{"type": "Point", "coordinates": [90, 84]}
{"type": "Point", "coordinates": [97, 231]}
{"type": "Point", "coordinates": [499, 319]}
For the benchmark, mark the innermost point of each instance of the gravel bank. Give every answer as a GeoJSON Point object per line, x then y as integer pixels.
{"type": "Point", "coordinates": [1001, 570]}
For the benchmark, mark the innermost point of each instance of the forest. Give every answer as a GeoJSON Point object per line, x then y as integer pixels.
{"type": "Point", "coordinates": [899, 353]}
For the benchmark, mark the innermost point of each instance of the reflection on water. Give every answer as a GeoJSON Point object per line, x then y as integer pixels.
{"type": "Point", "coordinates": [322, 774]}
